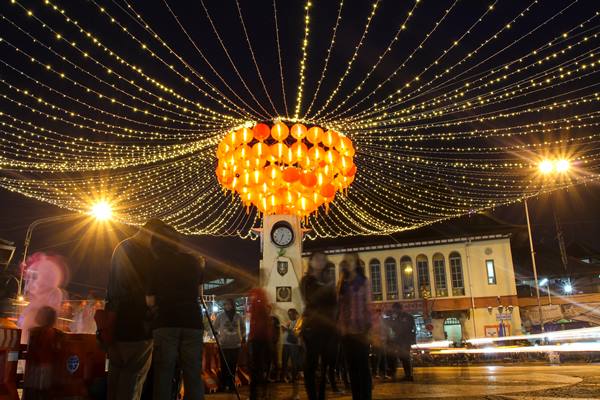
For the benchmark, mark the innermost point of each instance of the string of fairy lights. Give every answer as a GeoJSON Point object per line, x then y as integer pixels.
{"type": "Point", "coordinates": [451, 108]}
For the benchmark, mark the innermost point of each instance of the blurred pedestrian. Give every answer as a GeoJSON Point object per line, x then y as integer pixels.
{"type": "Point", "coordinates": [273, 367]}
{"type": "Point", "coordinates": [318, 326]}
{"type": "Point", "coordinates": [231, 329]}
{"type": "Point", "coordinates": [259, 343]}
{"type": "Point", "coordinates": [380, 338]}
{"type": "Point", "coordinates": [403, 336]}
{"type": "Point", "coordinates": [178, 332]}
{"type": "Point", "coordinates": [43, 349]}
{"type": "Point", "coordinates": [291, 351]}
{"type": "Point", "coordinates": [130, 347]}
{"type": "Point", "coordinates": [355, 323]}
{"type": "Point", "coordinates": [329, 278]}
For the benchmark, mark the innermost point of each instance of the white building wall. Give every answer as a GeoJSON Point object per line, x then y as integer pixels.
{"type": "Point", "coordinates": [478, 293]}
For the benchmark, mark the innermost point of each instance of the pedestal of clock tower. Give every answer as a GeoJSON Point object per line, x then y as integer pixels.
{"type": "Point", "coordinates": [281, 266]}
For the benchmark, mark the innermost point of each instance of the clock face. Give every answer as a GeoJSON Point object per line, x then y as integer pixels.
{"type": "Point", "coordinates": [282, 234]}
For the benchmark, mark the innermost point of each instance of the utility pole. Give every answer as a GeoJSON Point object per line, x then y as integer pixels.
{"type": "Point", "coordinates": [561, 241]}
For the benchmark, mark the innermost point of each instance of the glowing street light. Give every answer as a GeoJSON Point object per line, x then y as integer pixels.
{"type": "Point", "coordinates": [562, 166]}
{"type": "Point", "coordinates": [101, 210]}
{"type": "Point", "coordinates": [553, 166]}
{"type": "Point", "coordinates": [546, 166]}
{"type": "Point", "coordinates": [568, 288]}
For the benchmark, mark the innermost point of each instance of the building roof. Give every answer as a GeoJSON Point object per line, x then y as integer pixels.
{"type": "Point", "coordinates": [420, 243]}
{"type": "Point", "coordinates": [473, 225]}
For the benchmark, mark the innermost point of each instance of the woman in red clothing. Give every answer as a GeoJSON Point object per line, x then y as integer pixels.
{"type": "Point", "coordinates": [259, 342]}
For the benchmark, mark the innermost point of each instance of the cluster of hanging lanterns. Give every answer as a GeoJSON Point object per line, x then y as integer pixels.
{"type": "Point", "coordinates": [282, 170]}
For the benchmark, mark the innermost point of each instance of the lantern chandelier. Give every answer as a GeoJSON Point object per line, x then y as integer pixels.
{"type": "Point", "coordinates": [360, 117]}
{"type": "Point", "coordinates": [285, 171]}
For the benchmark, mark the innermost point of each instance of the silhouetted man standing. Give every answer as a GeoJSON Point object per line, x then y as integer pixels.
{"type": "Point", "coordinates": [130, 355]}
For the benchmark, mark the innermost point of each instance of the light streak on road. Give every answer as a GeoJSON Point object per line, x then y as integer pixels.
{"type": "Point", "coordinates": [567, 347]}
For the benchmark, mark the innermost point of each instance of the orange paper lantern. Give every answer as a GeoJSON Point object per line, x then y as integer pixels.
{"type": "Point", "coordinates": [314, 134]}
{"type": "Point", "coordinates": [331, 138]}
{"type": "Point", "coordinates": [298, 131]}
{"type": "Point", "coordinates": [291, 174]}
{"type": "Point", "coordinates": [328, 190]}
{"type": "Point", "coordinates": [261, 132]}
{"type": "Point", "coordinates": [308, 179]}
{"type": "Point", "coordinates": [280, 131]}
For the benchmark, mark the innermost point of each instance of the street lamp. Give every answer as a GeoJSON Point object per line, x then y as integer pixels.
{"type": "Point", "coordinates": [101, 211]}
{"type": "Point", "coordinates": [546, 167]}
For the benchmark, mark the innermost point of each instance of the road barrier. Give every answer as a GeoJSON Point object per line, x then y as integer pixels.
{"type": "Point", "coordinates": [10, 342]}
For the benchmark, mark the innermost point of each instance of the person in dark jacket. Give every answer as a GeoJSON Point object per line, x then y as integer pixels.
{"type": "Point", "coordinates": [403, 336]}
{"type": "Point", "coordinates": [318, 326]}
{"type": "Point", "coordinates": [178, 333]}
{"type": "Point", "coordinates": [355, 324]}
{"type": "Point", "coordinates": [130, 356]}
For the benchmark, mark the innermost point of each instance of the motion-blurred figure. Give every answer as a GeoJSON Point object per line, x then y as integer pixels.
{"type": "Point", "coordinates": [231, 329]}
{"type": "Point", "coordinates": [355, 324]}
{"type": "Point", "coordinates": [291, 351]}
{"type": "Point", "coordinates": [259, 342]}
{"type": "Point", "coordinates": [130, 354]}
{"type": "Point", "coordinates": [178, 330]}
{"type": "Point", "coordinates": [45, 275]}
{"type": "Point", "coordinates": [380, 339]}
{"type": "Point", "coordinates": [83, 320]}
{"type": "Point", "coordinates": [318, 327]}
{"type": "Point", "coordinates": [39, 373]}
{"type": "Point", "coordinates": [403, 336]}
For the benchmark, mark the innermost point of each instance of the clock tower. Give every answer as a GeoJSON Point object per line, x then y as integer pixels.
{"type": "Point", "coordinates": [281, 266]}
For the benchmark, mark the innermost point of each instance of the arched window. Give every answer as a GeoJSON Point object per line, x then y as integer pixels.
{"type": "Point", "coordinates": [391, 279]}
{"type": "Point", "coordinates": [439, 275]}
{"type": "Point", "coordinates": [424, 283]}
{"type": "Point", "coordinates": [375, 273]}
{"type": "Point", "coordinates": [407, 273]}
{"type": "Point", "coordinates": [456, 274]}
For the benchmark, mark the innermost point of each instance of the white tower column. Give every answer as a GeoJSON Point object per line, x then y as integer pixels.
{"type": "Point", "coordinates": [281, 266]}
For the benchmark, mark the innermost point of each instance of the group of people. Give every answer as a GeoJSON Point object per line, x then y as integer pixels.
{"type": "Point", "coordinates": [338, 327]}
{"type": "Point", "coordinates": [332, 340]}
{"type": "Point", "coordinates": [157, 327]}
{"type": "Point", "coordinates": [153, 317]}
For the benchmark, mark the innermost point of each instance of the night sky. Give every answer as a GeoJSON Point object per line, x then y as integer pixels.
{"type": "Point", "coordinates": [88, 253]}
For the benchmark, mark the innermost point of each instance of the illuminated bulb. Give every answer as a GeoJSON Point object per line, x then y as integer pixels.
{"type": "Point", "coordinates": [546, 166]}
{"type": "Point", "coordinates": [102, 211]}
{"type": "Point", "coordinates": [563, 165]}
{"type": "Point", "coordinates": [568, 288]}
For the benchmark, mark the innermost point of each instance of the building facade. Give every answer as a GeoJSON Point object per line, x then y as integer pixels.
{"type": "Point", "coordinates": [456, 288]}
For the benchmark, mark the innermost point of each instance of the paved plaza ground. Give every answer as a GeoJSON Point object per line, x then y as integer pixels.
{"type": "Point", "coordinates": [526, 382]}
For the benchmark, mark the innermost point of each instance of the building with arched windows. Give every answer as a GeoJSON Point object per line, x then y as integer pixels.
{"type": "Point", "coordinates": [456, 288]}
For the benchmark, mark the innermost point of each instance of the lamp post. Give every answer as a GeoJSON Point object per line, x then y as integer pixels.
{"type": "Point", "coordinates": [535, 276]}
{"type": "Point", "coordinates": [101, 211]}
{"type": "Point", "coordinates": [546, 167]}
